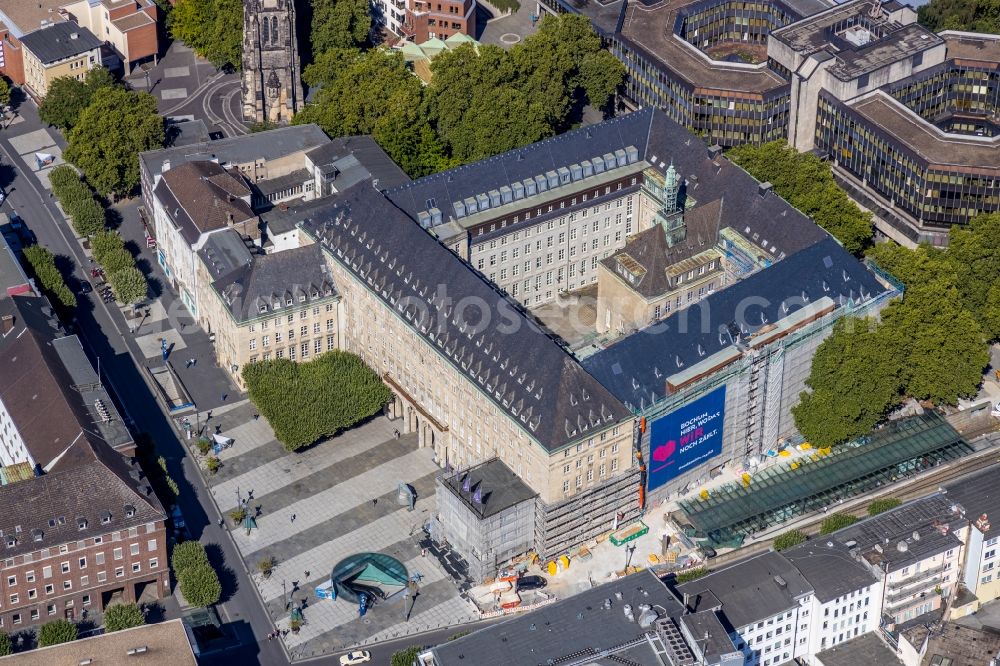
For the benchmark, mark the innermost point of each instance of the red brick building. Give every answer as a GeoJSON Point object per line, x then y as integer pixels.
{"type": "Point", "coordinates": [74, 540]}
{"type": "Point", "coordinates": [429, 19]}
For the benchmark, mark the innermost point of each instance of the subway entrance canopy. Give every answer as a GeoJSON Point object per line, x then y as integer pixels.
{"type": "Point", "coordinates": [898, 450]}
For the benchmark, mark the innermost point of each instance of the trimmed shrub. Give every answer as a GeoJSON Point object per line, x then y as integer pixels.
{"type": "Point", "coordinates": [304, 402]}
{"type": "Point", "coordinates": [6, 645]}
{"type": "Point", "coordinates": [837, 521]}
{"type": "Point", "coordinates": [43, 265]}
{"type": "Point", "coordinates": [881, 505]}
{"type": "Point", "coordinates": [63, 176]}
{"type": "Point", "coordinates": [691, 574]}
{"type": "Point", "coordinates": [56, 632]}
{"type": "Point", "coordinates": [123, 616]}
{"type": "Point", "coordinates": [789, 539]}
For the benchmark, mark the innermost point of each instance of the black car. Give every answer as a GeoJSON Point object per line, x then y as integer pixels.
{"type": "Point", "coordinates": [85, 288]}
{"type": "Point", "coordinates": [531, 583]}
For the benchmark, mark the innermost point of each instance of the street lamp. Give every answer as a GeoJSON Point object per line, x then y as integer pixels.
{"type": "Point", "coordinates": [629, 550]}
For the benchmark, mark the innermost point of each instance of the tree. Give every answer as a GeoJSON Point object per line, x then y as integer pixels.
{"type": "Point", "coordinates": [306, 401]}
{"type": "Point", "coordinates": [106, 243]}
{"type": "Point", "coordinates": [63, 176]}
{"type": "Point", "coordinates": [339, 24]}
{"type": "Point", "coordinates": [882, 505]}
{"type": "Point", "coordinates": [113, 130]}
{"type": "Point", "coordinates": [6, 646]}
{"type": "Point", "coordinates": [836, 521]}
{"type": "Point", "coordinates": [187, 555]}
{"type": "Point", "coordinates": [56, 632]}
{"type": "Point", "coordinates": [788, 539]}
{"type": "Point", "coordinates": [943, 347]}
{"type": "Point", "coordinates": [968, 15]}
{"type": "Point", "coordinates": [68, 97]}
{"type": "Point", "coordinates": [911, 267]}
{"type": "Point", "coordinates": [88, 217]}
{"type": "Point", "coordinates": [5, 91]}
{"type": "Point", "coordinates": [688, 575]}
{"type": "Point", "coordinates": [200, 585]}
{"type": "Point", "coordinates": [213, 28]}
{"type": "Point", "coordinates": [974, 258]}
{"type": "Point", "coordinates": [405, 657]}
{"type": "Point", "coordinates": [855, 380]}
{"type": "Point", "coordinates": [43, 265]}
{"type": "Point", "coordinates": [807, 183]}
{"type": "Point", "coordinates": [129, 285]}
{"type": "Point", "coordinates": [123, 616]}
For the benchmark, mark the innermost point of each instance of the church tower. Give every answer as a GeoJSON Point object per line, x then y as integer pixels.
{"type": "Point", "coordinates": [272, 89]}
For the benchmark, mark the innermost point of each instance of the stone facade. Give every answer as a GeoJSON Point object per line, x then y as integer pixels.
{"type": "Point", "coordinates": [272, 89]}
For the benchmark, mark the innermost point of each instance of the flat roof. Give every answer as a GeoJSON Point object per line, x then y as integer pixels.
{"type": "Point", "coordinates": [590, 624]}
{"type": "Point", "coordinates": [829, 568]}
{"type": "Point", "coordinates": [24, 16]}
{"type": "Point", "coordinates": [931, 144]}
{"type": "Point", "coordinates": [164, 644]}
{"type": "Point", "coordinates": [815, 483]}
{"type": "Point", "coordinates": [972, 46]}
{"type": "Point", "coordinates": [978, 494]}
{"type": "Point", "coordinates": [867, 649]}
{"type": "Point", "coordinates": [497, 487]}
{"type": "Point", "coordinates": [652, 29]}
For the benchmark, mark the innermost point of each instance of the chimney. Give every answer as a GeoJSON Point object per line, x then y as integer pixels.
{"type": "Point", "coordinates": [714, 152]}
{"type": "Point", "coordinates": [764, 188]}
{"type": "Point", "coordinates": [74, 35]}
{"type": "Point", "coordinates": [687, 601]}
{"type": "Point", "coordinates": [7, 324]}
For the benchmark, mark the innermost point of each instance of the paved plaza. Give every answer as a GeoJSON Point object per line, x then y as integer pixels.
{"type": "Point", "coordinates": [322, 505]}
{"type": "Point", "coordinates": [41, 142]}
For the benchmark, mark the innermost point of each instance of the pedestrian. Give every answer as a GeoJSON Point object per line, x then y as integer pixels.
{"type": "Point", "coordinates": [256, 416]}
{"type": "Point", "coordinates": [194, 362]}
{"type": "Point", "coordinates": [307, 575]}
{"type": "Point", "coordinates": [218, 429]}
{"type": "Point", "coordinates": [224, 396]}
{"type": "Point", "coordinates": [375, 502]}
{"type": "Point", "coordinates": [293, 517]}
{"type": "Point", "coordinates": [423, 552]}
{"type": "Point", "coordinates": [208, 416]}
{"type": "Point", "coordinates": [222, 521]}
{"type": "Point", "coordinates": [270, 636]}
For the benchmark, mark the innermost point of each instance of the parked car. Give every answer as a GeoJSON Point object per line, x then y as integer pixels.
{"type": "Point", "coordinates": [85, 287]}
{"type": "Point", "coordinates": [531, 583]}
{"type": "Point", "coordinates": [356, 657]}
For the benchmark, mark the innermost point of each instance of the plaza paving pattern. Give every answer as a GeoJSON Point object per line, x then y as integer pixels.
{"type": "Point", "coordinates": [342, 494]}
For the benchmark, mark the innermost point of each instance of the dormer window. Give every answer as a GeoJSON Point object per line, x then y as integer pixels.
{"type": "Point", "coordinates": [36, 535]}
{"type": "Point", "coordinates": [262, 309]}
{"type": "Point", "coordinates": [288, 300]}
{"type": "Point", "coordinates": [302, 298]}
{"type": "Point", "coordinates": [11, 541]}
{"type": "Point", "coordinates": [129, 510]}
{"type": "Point", "coordinates": [105, 518]}
{"type": "Point", "coordinates": [81, 523]}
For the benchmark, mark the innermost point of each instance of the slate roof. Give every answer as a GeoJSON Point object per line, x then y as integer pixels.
{"type": "Point", "coordinates": [498, 486]}
{"type": "Point", "coordinates": [270, 280]}
{"type": "Point", "coordinates": [368, 155]}
{"type": "Point", "coordinates": [526, 373]}
{"type": "Point", "coordinates": [887, 529]}
{"type": "Point", "coordinates": [569, 630]}
{"type": "Point", "coordinates": [286, 216]}
{"type": "Point", "coordinates": [224, 252]}
{"type": "Point", "coordinates": [649, 248]}
{"type": "Point", "coordinates": [36, 385]}
{"type": "Point", "coordinates": [824, 269]}
{"type": "Point", "coordinates": [749, 591]}
{"type": "Point", "coordinates": [56, 42]}
{"type": "Point", "coordinates": [201, 196]}
{"type": "Point", "coordinates": [766, 220]}
{"type": "Point", "coordinates": [47, 510]}
{"type": "Point", "coordinates": [978, 494]}
{"type": "Point", "coordinates": [829, 568]}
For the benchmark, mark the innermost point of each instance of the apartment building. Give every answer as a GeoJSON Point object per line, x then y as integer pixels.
{"type": "Point", "coordinates": [977, 500]}
{"type": "Point", "coordinates": [70, 549]}
{"type": "Point", "coordinates": [60, 49]}
{"type": "Point", "coordinates": [128, 26]}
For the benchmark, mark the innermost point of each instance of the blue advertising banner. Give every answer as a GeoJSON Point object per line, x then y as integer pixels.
{"type": "Point", "coordinates": [686, 437]}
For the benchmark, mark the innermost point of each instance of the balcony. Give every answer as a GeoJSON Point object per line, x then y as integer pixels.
{"type": "Point", "coordinates": [919, 578]}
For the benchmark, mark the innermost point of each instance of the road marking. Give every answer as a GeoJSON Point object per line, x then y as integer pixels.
{"type": "Point", "coordinates": [173, 72]}
{"type": "Point", "coordinates": [173, 93]}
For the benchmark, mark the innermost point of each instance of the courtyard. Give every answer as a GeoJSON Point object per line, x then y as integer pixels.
{"type": "Point", "coordinates": [317, 507]}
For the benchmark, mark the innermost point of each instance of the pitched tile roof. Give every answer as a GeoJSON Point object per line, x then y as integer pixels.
{"type": "Point", "coordinates": [93, 496]}
{"type": "Point", "coordinates": [202, 196]}
{"type": "Point", "coordinates": [494, 343]}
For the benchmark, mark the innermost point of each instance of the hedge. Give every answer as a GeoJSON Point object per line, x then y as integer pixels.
{"type": "Point", "coordinates": [304, 402]}
{"type": "Point", "coordinates": [77, 200]}
{"type": "Point", "coordinates": [882, 505]}
{"type": "Point", "coordinates": [837, 521]}
{"type": "Point", "coordinates": [6, 645]}
{"type": "Point", "coordinates": [43, 265]}
{"type": "Point", "coordinates": [689, 575]}
{"type": "Point", "coordinates": [789, 539]}
{"type": "Point", "coordinates": [56, 632]}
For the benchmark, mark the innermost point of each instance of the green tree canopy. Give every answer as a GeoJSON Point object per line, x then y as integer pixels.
{"type": "Point", "coordinates": [200, 585]}
{"type": "Point", "coordinates": [974, 259]}
{"type": "Point", "coordinates": [4, 91]}
{"type": "Point", "coordinates": [63, 176]}
{"type": "Point", "coordinates": [129, 285]}
{"type": "Point", "coordinates": [856, 378]}
{"type": "Point", "coordinates": [112, 131]}
{"type": "Point", "coordinates": [6, 645]}
{"type": "Point", "coordinates": [68, 97]}
{"type": "Point", "coordinates": [123, 616]}
{"type": "Point", "coordinates": [882, 505]}
{"type": "Point", "coordinates": [213, 28]}
{"type": "Point", "coordinates": [105, 243]}
{"type": "Point", "coordinates": [339, 24]}
{"type": "Point", "coordinates": [788, 539]}
{"type": "Point", "coordinates": [306, 401]}
{"type": "Point", "coordinates": [969, 15]}
{"type": "Point", "coordinates": [836, 521]}
{"type": "Point", "coordinates": [807, 183]}
{"type": "Point", "coordinates": [405, 657]}
{"type": "Point", "coordinates": [186, 556]}
{"type": "Point", "coordinates": [43, 265]}
{"type": "Point", "coordinates": [56, 632]}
